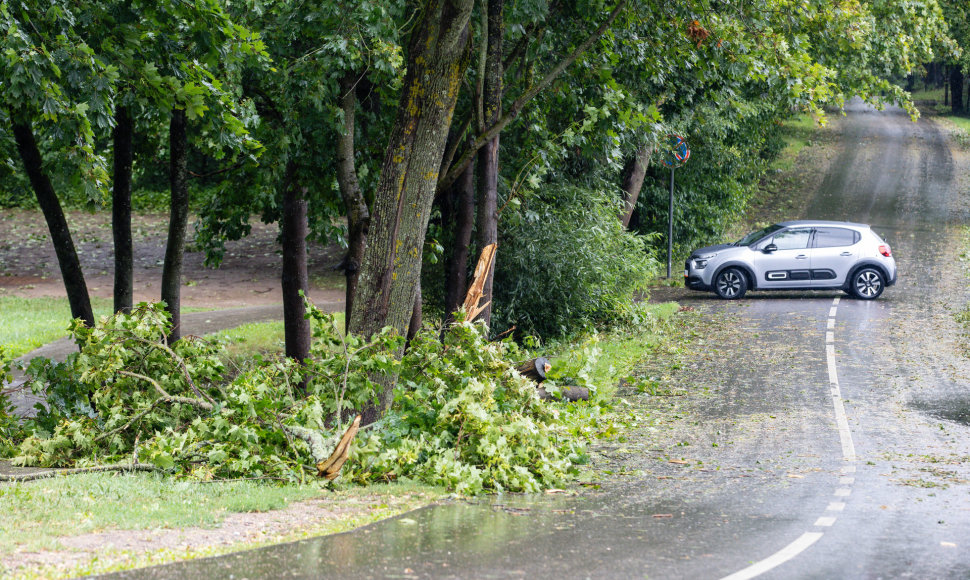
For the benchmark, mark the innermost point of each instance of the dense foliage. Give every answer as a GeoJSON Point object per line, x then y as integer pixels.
{"type": "Point", "coordinates": [567, 263]}
{"type": "Point", "coordinates": [463, 418]}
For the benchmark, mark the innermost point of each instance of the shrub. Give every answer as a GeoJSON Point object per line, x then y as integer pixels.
{"type": "Point", "coordinates": [565, 263]}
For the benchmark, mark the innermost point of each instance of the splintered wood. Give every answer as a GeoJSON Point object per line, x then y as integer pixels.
{"type": "Point", "coordinates": [330, 467]}
{"type": "Point", "coordinates": [485, 263]}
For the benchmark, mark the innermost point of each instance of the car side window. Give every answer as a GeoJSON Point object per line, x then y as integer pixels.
{"type": "Point", "coordinates": [792, 239]}
{"type": "Point", "coordinates": [835, 237]}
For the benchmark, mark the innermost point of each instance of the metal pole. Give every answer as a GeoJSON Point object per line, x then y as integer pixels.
{"type": "Point", "coordinates": [670, 224]}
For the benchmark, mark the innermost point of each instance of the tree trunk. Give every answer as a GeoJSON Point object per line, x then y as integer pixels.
{"type": "Point", "coordinates": [121, 210]}
{"type": "Point", "coordinates": [74, 285]}
{"type": "Point", "coordinates": [946, 89]}
{"type": "Point", "coordinates": [177, 222]}
{"type": "Point", "coordinates": [358, 216]}
{"type": "Point", "coordinates": [535, 369]}
{"type": "Point", "coordinates": [956, 90]}
{"type": "Point", "coordinates": [462, 196]}
{"type": "Point", "coordinates": [414, 326]}
{"type": "Point", "coordinates": [487, 231]}
{"type": "Point", "coordinates": [294, 230]}
{"type": "Point", "coordinates": [438, 55]}
{"type": "Point", "coordinates": [633, 174]}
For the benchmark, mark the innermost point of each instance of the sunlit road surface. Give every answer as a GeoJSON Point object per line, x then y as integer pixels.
{"type": "Point", "coordinates": [833, 441]}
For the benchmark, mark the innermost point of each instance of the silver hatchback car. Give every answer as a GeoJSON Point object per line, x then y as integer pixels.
{"type": "Point", "coordinates": [796, 255]}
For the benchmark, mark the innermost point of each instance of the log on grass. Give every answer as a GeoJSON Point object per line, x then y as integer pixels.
{"type": "Point", "coordinates": [566, 393]}
{"type": "Point", "coordinates": [535, 369]}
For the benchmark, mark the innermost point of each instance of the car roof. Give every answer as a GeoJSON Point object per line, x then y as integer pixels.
{"type": "Point", "coordinates": [792, 223]}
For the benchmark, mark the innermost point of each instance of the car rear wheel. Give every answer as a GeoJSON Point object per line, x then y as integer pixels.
{"type": "Point", "coordinates": [867, 284]}
{"type": "Point", "coordinates": [731, 284]}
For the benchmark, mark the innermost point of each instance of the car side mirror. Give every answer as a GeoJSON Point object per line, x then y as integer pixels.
{"type": "Point", "coordinates": [770, 248]}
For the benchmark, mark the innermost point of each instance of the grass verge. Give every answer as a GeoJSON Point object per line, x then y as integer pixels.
{"type": "Point", "coordinates": [60, 516]}
{"type": "Point", "coordinates": [28, 323]}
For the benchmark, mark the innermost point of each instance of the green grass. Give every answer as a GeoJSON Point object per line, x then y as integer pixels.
{"type": "Point", "coordinates": [797, 134]}
{"type": "Point", "coordinates": [37, 512]}
{"type": "Point", "coordinates": [928, 95]}
{"type": "Point", "coordinates": [962, 123]}
{"type": "Point", "coordinates": [28, 323]}
{"type": "Point", "coordinates": [263, 339]}
{"type": "Point", "coordinates": [618, 352]}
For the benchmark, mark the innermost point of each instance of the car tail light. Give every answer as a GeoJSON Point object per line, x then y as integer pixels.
{"type": "Point", "coordinates": [885, 250]}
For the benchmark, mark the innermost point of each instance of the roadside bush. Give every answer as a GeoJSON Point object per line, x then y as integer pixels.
{"type": "Point", "coordinates": [566, 264]}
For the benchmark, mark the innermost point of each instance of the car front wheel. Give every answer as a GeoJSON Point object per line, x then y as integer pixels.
{"type": "Point", "coordinates": [867, 284]}
{"type": "Point", "coordinates": [730, 284]}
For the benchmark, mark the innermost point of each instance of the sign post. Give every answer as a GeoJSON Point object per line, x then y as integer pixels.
{"type": "Point", "coordinates": [675, 156]}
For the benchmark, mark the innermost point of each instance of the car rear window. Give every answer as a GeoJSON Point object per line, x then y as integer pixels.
{"type": "Point", "coordinates": [835, 237]}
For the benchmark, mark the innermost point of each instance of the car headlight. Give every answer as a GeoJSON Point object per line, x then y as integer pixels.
{"type": "Point", "coordinates": [700, 262]}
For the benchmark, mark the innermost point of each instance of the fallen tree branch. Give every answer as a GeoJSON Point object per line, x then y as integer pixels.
{"type": "Point", "coordinates": [166, 398]}
{"type": "Point", "coordinates": [78, 471]}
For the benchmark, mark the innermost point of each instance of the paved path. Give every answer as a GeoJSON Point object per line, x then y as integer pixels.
{"type": "Point", "coordinates": [197, 323]}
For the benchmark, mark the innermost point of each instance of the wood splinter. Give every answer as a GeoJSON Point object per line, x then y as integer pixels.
{"type": "Point", "coordinates": [475, 292]}
{"type": "Point", "coordinates": [330, 467]}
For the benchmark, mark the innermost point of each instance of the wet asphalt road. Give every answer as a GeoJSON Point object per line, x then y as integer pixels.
{"type": "Point", "coordinates": [831, 439]}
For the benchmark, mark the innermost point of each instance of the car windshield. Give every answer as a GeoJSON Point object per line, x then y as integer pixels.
{"type": "Point", "coordinates": [755, 236]}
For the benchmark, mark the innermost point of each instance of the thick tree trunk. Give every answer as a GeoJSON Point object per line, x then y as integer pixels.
{"type": "Point", "coordinates": [296, 328]}
{"type": "Point", "coordinates": [633, 174]}
{"type": "Point", "coordinates": [358, 216]}
{"type": "Point", "coordinates": [438, 55]}
{"type": "Point", "coordinates": [462, 201]}
{"type": "Point", "coordinates": [487, 231]}
{"type": "Point", "coordinates": [121, 210]}
{"type": "Point", "coordinates": [178, 221]}
{"type": "Point", "coordinates": [74, 285]}
{"type": "Point", "coordinates": [956, 90]}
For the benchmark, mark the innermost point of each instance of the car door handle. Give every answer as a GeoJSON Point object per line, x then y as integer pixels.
{"type": "Point", "coordinates": [801, 257]}
{"type": "Point", "coordinates": [846, 254]}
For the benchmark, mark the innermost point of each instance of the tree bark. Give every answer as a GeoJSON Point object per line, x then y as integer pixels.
{"type": "Point", "coordinates": [487, 229]}
{"type": "Point", "coordinates": [633, 175]}
{"type": "Point", "coordinates": [956, 90]}
{"type": "Point", "coordinates": [462, 196]}
{"type": "Point", "coordinates": [294, 230]}
{"type": "Point", "coordinates": [70, 265]}
{"type": "Point", "coordinates": [535, 369]}
{"type": "Point", "coordinates": [438, 56]}
{"type": "Point", "coordinates": [358, 216]}
{"type": "Point", "coordinates": [178, 221]}
{"type": "Point", "coordinates": [414, 326]}
{"type": "Point", "coordinates": [121, 210]}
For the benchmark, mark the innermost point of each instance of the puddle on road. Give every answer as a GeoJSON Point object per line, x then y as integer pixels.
{"type": "Point", "coordinates": [956, 410]}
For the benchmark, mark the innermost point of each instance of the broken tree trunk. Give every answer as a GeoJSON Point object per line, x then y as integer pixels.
{"type": "Point", "coordinates": [475, 294]}
{"type": "Point", "coordinates": [535, 369]}
{"type": "Point", "coordinates": [566, 393]}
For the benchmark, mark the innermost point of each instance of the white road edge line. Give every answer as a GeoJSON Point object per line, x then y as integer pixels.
{"type": "Point", "coordinates": [780, 557]}
{"type": "Point", "coordinates": [806, 540]}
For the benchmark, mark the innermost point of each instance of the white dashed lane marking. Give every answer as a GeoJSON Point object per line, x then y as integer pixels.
{"type": "Point", "coordinates": [844, 490]}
